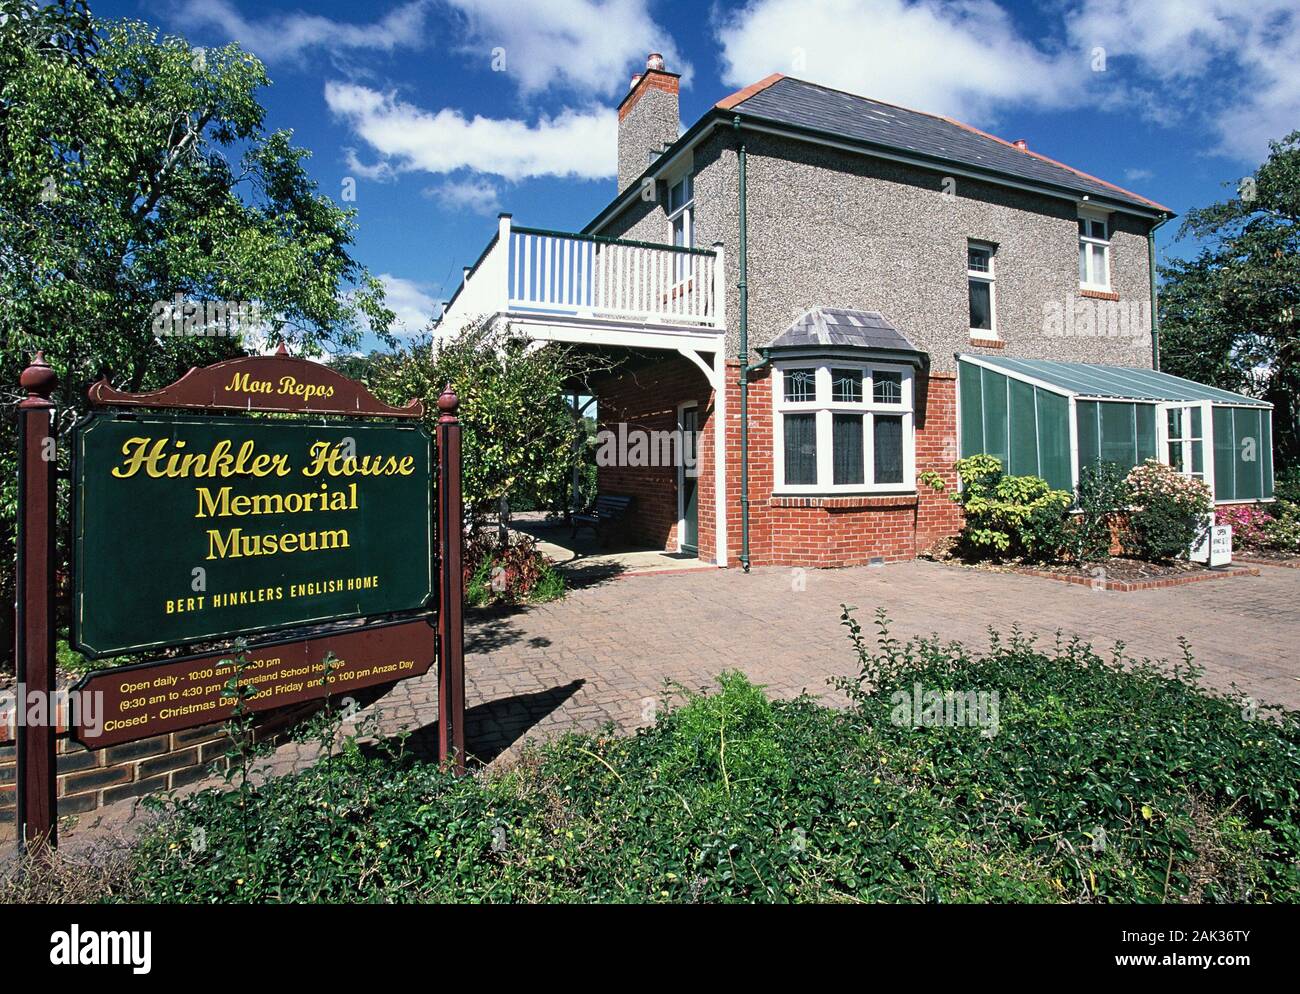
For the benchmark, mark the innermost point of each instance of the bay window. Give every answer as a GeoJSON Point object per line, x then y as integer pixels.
{"type": "Point", "coordinates": [843, 426]}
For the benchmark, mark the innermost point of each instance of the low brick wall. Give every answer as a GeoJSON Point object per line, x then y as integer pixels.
{"type": "Point", "coordinates": [89, 779]}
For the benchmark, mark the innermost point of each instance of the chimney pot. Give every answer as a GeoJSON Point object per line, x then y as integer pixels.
{"type": "Point", "coordinates": [1021, 144]}
{"type": "Point", "coordinates": [636, 78]}
{"type": "Point", "coordinates": [654, 61]}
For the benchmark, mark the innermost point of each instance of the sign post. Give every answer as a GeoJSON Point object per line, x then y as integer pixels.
{"type": "Point", "coordinates": [451, 619]}
{"type": "Point", "coordinates": [37, 825]}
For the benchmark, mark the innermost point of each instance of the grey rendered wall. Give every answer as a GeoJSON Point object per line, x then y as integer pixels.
{"type": "Point", "coordinates": [831, 228]}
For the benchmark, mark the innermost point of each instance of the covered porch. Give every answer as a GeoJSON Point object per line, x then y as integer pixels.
{"type": "Point", "coordinates": [659, 310]}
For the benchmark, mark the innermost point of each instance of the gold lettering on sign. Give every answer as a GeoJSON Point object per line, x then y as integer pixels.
{"type": "Point", "coordinates": [225, 504]}
{"type": "Point", "coordinates": [243, 383]}
{"type": "Point", "coordinates": [234, 544]}
{"type": "Point", "coordinates": [152, 456]}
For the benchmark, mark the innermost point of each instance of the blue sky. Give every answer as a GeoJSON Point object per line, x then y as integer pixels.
{"type": "Point", "coordinates": [444, 112]}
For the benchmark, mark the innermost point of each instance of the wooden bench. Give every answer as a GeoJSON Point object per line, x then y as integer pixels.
{"type": "Point", "coordinates": [607, 512]}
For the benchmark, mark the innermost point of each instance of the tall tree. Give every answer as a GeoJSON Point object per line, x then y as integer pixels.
{"type": "Point", "coordinates": [135, 168]}
{"type": "Point", "coordinates": [1231, 315]}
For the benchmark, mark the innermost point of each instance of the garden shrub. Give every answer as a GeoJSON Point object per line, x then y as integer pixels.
{"type": "Point", "coordinates": [1103, 496]}
{"type": "Point", "coordinates": [1006, 516]}
{"type": "Point", "coordinates": [1101, 781]}
{"type": "Point", "coordinates": [1283, 532]}
{"type": "Point", "coordinates": [515, 573]}
{"type": "Point", "coordinates": [1167, 514]}
{"type": "Point", "coordinates": [1250, 525]}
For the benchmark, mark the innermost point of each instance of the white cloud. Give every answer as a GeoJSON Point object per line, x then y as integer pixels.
{"type": "Point", "coordinates": [476, 196]}
{"type": "Point", "coordinates": [291, 36]}
{"type": "Point", "coordinates": [1233, 62]}
{"type": "Point", "coordinates": [573, 143]}
{"type": "Point", "coordinates": [1227, 65]}
{"type": "Point", "coordinates": [592, 46]}
{"type": "Point", "coordinates": [412, 302]}
{"type": "Point", "coordinates": [1137, 175]}
{"type": "Point", "coordinates": [963, 59]}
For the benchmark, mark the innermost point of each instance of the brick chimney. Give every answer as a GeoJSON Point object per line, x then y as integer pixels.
{"type": "Point", "coordinates": [648, 119]}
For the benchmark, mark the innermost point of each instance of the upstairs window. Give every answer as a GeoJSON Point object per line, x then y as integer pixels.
{"type": "Point", "coordinates": [979, 280]}
{"type": "Point", "coordinates": [843, 426]}
{"type": "Point", "coordinates": [681, 212]}
{"type": "Point", "coordinates": [1094, 252]}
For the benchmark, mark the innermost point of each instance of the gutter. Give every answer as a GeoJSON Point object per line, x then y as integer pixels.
{"type": "Point", "coordinates": [1155, 312]}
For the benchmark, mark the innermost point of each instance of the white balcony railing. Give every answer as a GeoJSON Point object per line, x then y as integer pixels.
{"type": "Point", "coordinates": [538, 272]}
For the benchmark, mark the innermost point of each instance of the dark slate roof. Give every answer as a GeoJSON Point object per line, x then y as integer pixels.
{"type": "Point", "coordinates": [802, 104]}
{"type": "Point", "coordinates": [837, 327]}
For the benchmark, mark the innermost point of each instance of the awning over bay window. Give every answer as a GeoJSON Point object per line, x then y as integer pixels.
{"type": "Point", "coordinates": [1051, 419]}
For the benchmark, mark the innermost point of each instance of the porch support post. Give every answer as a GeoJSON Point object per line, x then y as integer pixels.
{"type": "Point", "coordinates": [720, 455]}
{"type": "Point", "coordinates": [451, 621]}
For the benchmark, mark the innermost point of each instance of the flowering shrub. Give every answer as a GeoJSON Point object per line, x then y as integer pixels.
{"type": "Point", "coordinates": [1168, 511]}
{"type": "Point", "coordinates": [1283, 532]}
{"type": "Point", "coordinates": [1250, 526]}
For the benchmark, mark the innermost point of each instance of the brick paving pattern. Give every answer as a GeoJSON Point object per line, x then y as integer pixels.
{"type": "Point", "coordinates": [603, 653]}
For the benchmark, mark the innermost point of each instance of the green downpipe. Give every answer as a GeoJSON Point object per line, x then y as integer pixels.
{"type": "Point", "coordinates": [1155, 313]}
{"type": "Point", "coordinates": [743, 287]}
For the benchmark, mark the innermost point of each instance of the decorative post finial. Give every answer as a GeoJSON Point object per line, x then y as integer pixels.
{"type": "Point", "coordinates": [39, 380]}
{"type": "Point", "coordinates": [448, 404]}
{"type": "Point", "coordinates": [280, 349]}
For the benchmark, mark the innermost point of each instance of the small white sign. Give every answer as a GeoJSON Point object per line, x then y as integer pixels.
{"type": "Point", "coordinates": [1213, 544]}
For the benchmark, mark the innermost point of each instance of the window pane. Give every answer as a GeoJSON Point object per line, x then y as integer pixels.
{"type": "Point", "coordinates": [886, 386]}
{"type": "Point", "coordinates": [800, 448]}
{"type": "Point", "coordinates": [800, 385]}
{"type": "Point", "coordinates": [1083, 262]}
{"type": "Point", "coordinates": [978, 260]}
{"type": "Point", "coordinates": [1098, 265]}
{"type": "Point", "coordinates": [1225, 486]}
{"type": "Point", "coordinates": [1118, 435]}
{"type": "Point", "coordinates": [981, 305]}
{"type": "Point", "coordinates": [972, 409]}
{"type": "Point", "coordinates": [1145, 416]}
{"type": "Point", "coordinates": [1022, 423]}
{"type": "Point", "coordinates": [846, 448]}
{"type": "Point", "coordinates": [846, 386]}
{"type": "Point", "coordinates": [1175, 422]}
{"type": "Point", "coordinates": [1089, 432]}
{"type": "Point", "coordinates": [888, 439]}
{"type": "Point", "coordinates": [1083, 226]}
{"type": "Point", "coordinates": [1196, 423]}
{"type": "Point", "coordinates": [1099, 230]}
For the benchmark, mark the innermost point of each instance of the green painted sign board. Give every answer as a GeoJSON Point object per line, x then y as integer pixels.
{"type": "Point", "coordinates": [193, 528]}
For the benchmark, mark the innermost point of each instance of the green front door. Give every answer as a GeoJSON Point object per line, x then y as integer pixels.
{"type": "Point", "coordinates": [688, 478]}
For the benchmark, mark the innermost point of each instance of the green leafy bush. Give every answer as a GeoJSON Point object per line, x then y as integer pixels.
{"type": "Point", "coordinates": [1103, 496]}
{"type": "Point", "coordinates": [1168, 512]}
{"type": "Point", "coordinates": [1097, 780]}
{"type": "Point", "coordinates": [1006, 516]}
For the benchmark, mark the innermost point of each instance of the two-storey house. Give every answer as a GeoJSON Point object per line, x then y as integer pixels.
{"type": "Point", "coordinates": [830, 295]}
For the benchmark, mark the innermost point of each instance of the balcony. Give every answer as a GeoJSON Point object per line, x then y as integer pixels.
{"type": "Point", "coordinates": [583, 288]}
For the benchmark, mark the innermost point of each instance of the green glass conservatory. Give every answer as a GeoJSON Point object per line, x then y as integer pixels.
{"type": "Point", "coordinates": [1049, 419]}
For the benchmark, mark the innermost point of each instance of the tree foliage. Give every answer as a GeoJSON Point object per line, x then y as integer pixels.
{"type": "Point", "coordinates": [1231, 315]}
{"type": "Point", "coordinates": [520, 438]}
{"type": "Point", "coordinates": [135, 167]}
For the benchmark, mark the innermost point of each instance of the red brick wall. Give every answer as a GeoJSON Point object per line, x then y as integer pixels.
{"type": "Point", "coordinates": [840, 531]}
{"type": "Point", "coordinates": [646, 399]}
{"type": "Point", "coordinates": [798, 531]}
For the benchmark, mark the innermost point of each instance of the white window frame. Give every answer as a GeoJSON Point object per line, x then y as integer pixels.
{"type": "Point", "coordinates": [683, 215]}
{"type": "Point", "coordinates": [825, 409]}
{"type": "Point", "coordinates": [990, 334]}
{"type": "Point", "coordinates": [1206, 438]}
{"type": "Point", "coordinates": [1089, 240]}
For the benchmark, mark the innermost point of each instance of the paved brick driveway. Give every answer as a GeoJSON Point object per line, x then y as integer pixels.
{"type": "Point", "coordinates": [603, 653]}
